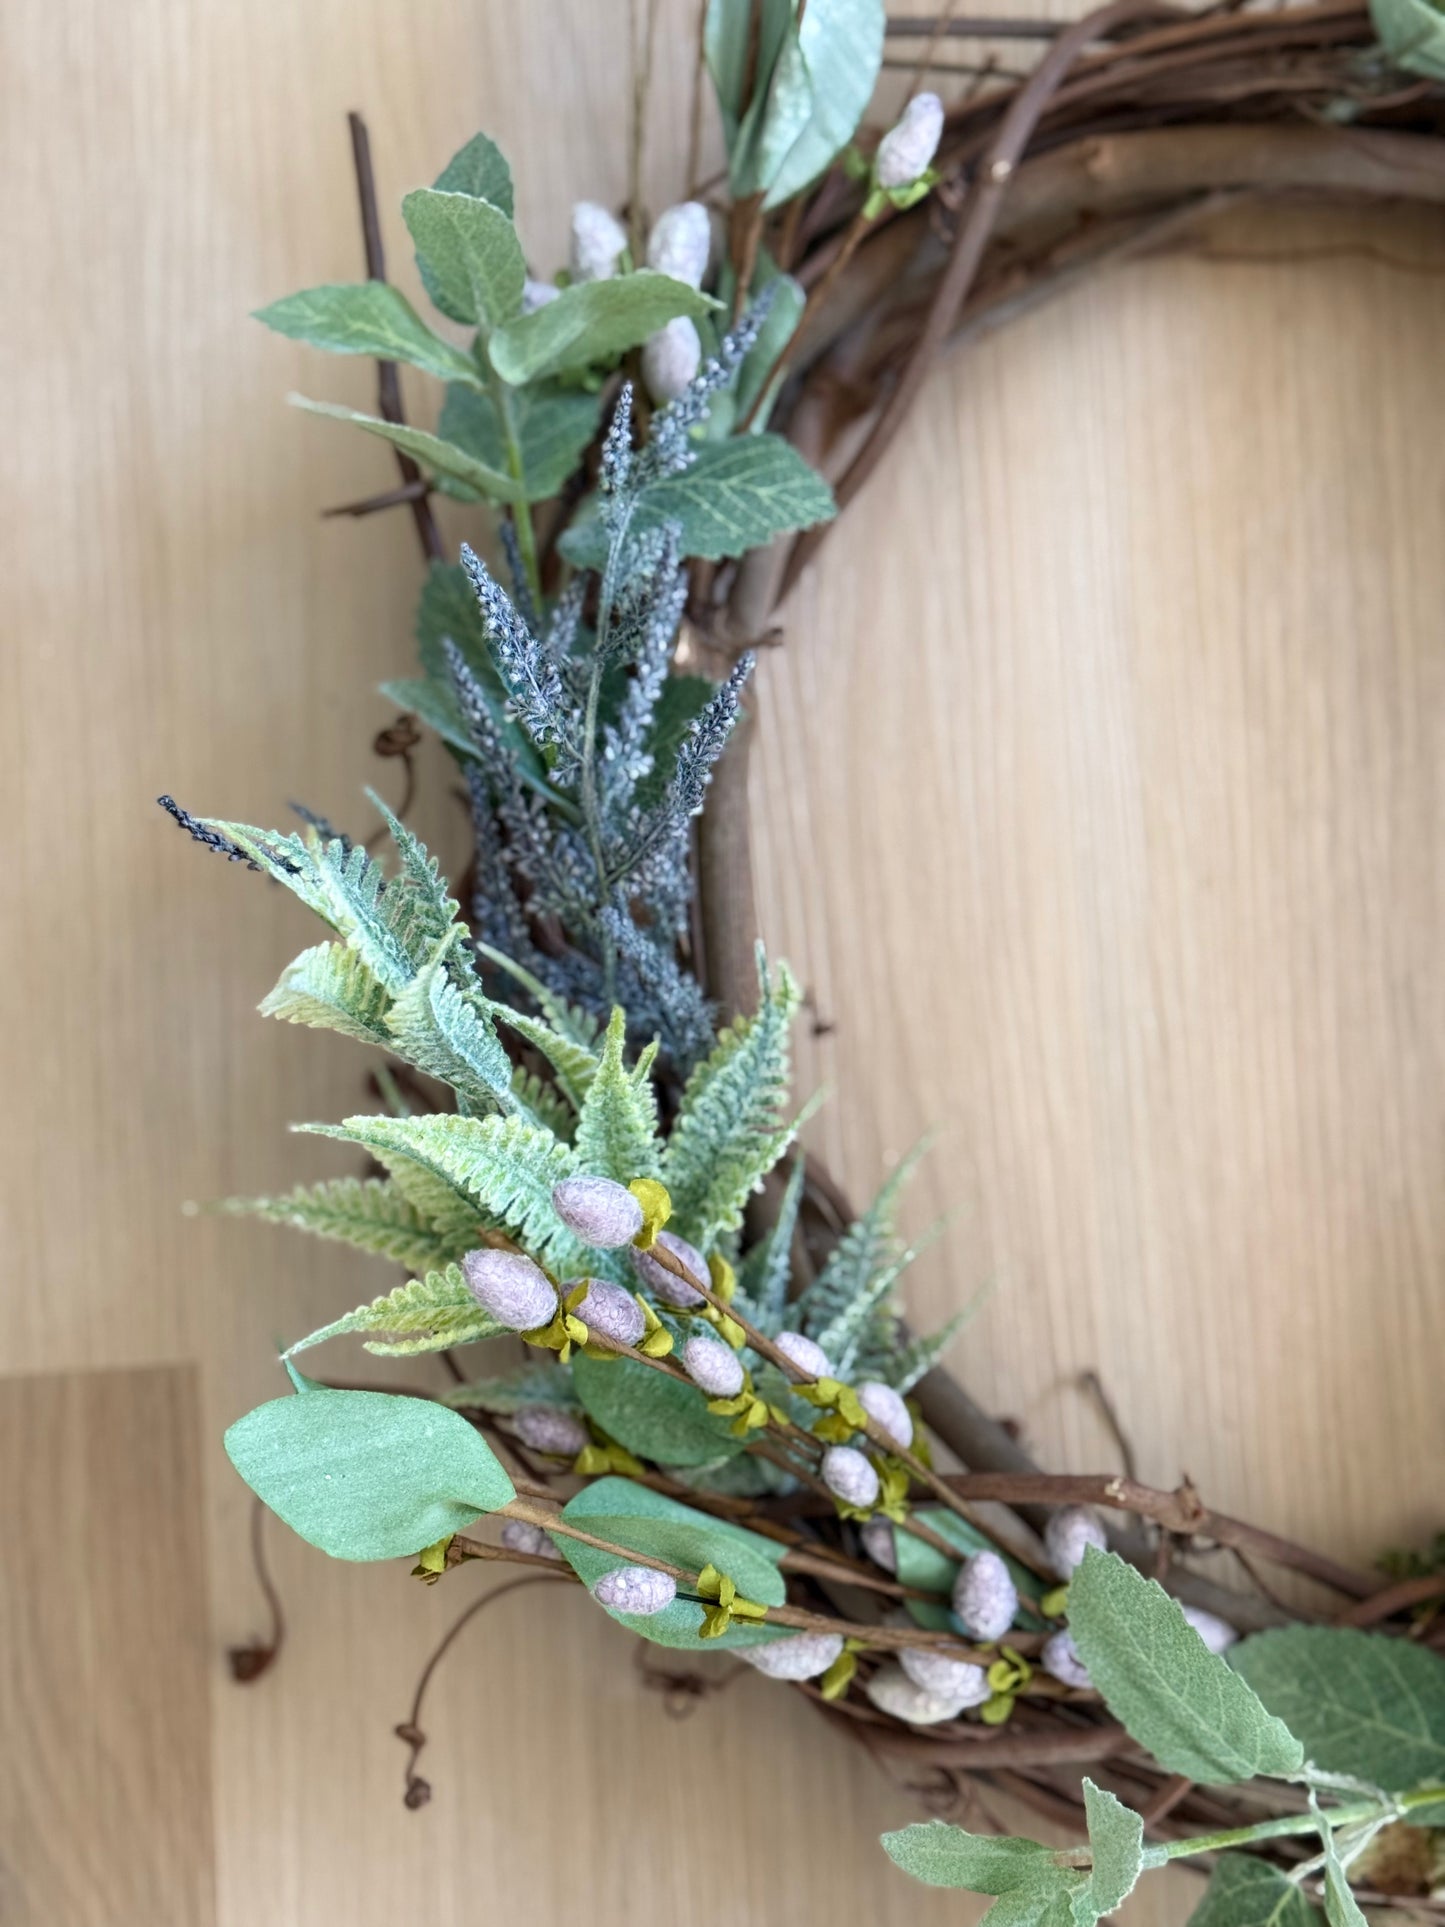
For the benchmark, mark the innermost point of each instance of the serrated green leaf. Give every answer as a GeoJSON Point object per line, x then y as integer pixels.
{"type": "Point", "coordinates": [1360, 1703]}
{"type": "Point", "coordinates": [823, 78]}
{"type": "Point", "coordinates": [451, 1036]}
{"type": "Point", "coordinates": [1412, 33]}
{"type": "Point", "coordinates": [532, 1385]}
{"type": "Point", "coordinates": [553, 426]}
{"type": "Point", "coordinates": [330, 988]}
{"type": "Point", "coordinates": [767, 1268]}
{"type": "Point", "coordinates": [591, 322]}
{"type": "Point", "coordinates": [1245, 1892]}
{"type": "Point", "coordinates": [543, 1104]}
{"type": "Point", "coordinates": [648, 1522]}
{"type": "Point", "coordinates": [1116, 1839]}
{"type": "Point", "coordinates": [727, 1136]}
{"type": "Point", "coordinates": [371, 1215]}
{"type": "Point", "coordinates": [425, 1315]}
{"type": "Point", "coordinates": [480, 168]}
{"type": "Point", "coordinates": [653, 1415]}
{"type": "Point", "coordinates": [503, 1167]}
{"type": "Point", "coordinates": [368, 318]}
{"type": "Point", "coordinates": [367, 1475]}
{"type": "Point", "coordinates": [617, 1125]}
{"type": "Point", "coordinates": [472, 260]}
{"type": "Point", "coordinates": [1179, 1701]}
{"type": "Point", "coordinates": [429, 450]}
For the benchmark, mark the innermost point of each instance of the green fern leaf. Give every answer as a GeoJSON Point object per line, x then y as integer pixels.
{"type": "Point", "coordinates": [532, 1385]}
{"type": "Point", "coordinates": [542, 1104]}
{"type": "Point", "coordinates": [369, 1214]}
{"type": "Point", "coordinates": [767, 1271]}
{"type": "Point", "coordinates": [568, 1036]}
{"type": "Point", "coordinates": [448, 1211]}
{"type": "Point", "coordinates": [728, 1136]}
{"type": "Point", "coordinates": [868, 1246]}
{"type": "Point", "coordinates": [903, 1369]}
{"type": "Point", "coordinates": [427, 1315]}
{"type": "Point", "coordinates": [451, 1036]}
{"type": "Point", "coordinates": [421, 908]}
{"type": "Point", "coordinates": [503, 1167]}
{"type": "Point", "coordinates": [575, 1065]}
{"type": "Point", "coordinates": [331, 988]}
{"type": "Point", "coordinates": [617, 1125]}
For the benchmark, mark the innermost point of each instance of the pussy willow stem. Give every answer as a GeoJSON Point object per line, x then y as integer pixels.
{"type": "Point", "coordinates": [1347, 1816]}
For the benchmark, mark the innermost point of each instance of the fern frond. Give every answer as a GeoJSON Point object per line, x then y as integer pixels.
{"type": "Point", "coordinates": [421, 909]}
{"type": "Point", "coordinates": [503, 1167]}
{"type": "Point", "coordinates": [451, 1036]}
{"type": "Point", "coordinates": [767, 1271]}
{"type": "Point", "coordinates": [617, 1126]}
{"type": "Point", "coordinates": [367, 1213]}
{"type": "Point", "coordinates": [542, 1104]}
{"type": "Point", "coordinates": [532, 1385]}
{"type": "Point", "coordinates": [330, 988]}
{"type": "Point", "coordinates": [871, 1316]}
{"type": "Point", "coordinates": [909, 1363]}
{"type": "Point", "coordinates": [868, 1245]}
{"type": "Point", "coordinates": [427, 1315]}
{"type": "Point", "coordinates": [728, 1135]}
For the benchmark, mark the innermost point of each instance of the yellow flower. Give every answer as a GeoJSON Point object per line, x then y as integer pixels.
{"type": "Point", "coordinates": [730, 1604]}
{"type": "Point", "coordinates": [656, 1209]}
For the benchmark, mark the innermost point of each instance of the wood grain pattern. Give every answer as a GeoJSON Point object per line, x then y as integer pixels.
{"type": "Point", "coordinates": [1139, 626]}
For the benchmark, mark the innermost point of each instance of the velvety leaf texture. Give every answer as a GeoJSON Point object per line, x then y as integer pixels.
{"type": "Point", "coordinates": [433, 453]}
{"type": "Point", "coordinates": [651, 1414]}
{"type": "Point", "coordinates": [1245, 1892]}
{"type": "Point", "coordinates": [480, 168]}
{"type": "Point", "coordinates": [368, 318]}
{"type": "Point", "coordinates": [591, 322]}
{"type": "Point", "coordinates": [1188, 1707]}
{"type": "Point", "coordinates": [369, 1214]}
{"type": "Point", "coordinates": [474, 265]}
{"type": "Point", "coordinates": [427, 1315]}
{"type": "Point", "coordinates": [553, 426]}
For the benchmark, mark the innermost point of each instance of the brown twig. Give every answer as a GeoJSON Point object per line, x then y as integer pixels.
{"type": "Point", "coordinates": [248, 1662]}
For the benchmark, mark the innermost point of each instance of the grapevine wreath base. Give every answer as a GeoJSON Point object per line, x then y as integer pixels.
{"type": "Point", "coordinates": [712, 1436]}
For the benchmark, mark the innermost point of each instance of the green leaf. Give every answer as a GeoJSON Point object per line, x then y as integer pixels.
{"type": "Point", "coordinates": [826, 70]}
{"type": "Point", "coordinates": [1033, 1889]}
{"type": "Point", "coordinates": [767, 1268]}
{"type": "Point", "coordinates": [1341, 1907]}
{"type": "Point", "coordinates": [530, 1385]}
{"type": "Point", "coordinates": [429, 450]}
{"type": "Point", "coordinates": [617, 1125]}
{"type": "Point", "coordinates": [1178, 1700]}
{"type": "Point", "coordinates": [368, 1213]}
{"type": "Point", "coordinates": [1412, 33]}
{"type": "Point", "coordinates": [365, 1475]}
{"type": "Point", "coordinates": [681, 701]}
{"type": "Point", "coordinates": [729, 50]}
{"type": "Point", "coordinates": [331, 988]}
{"type": "Point", "coordinates": [502, 1166]}
{"type": "Point", "coordinates": [448, 607]}
{"type": "Point", "coordinates": [427, 1315]}
{"type": "Point", "coordinates": [543, 1103]}
{"type": "Point", "coordinates": [651, 1414]}
{"type": "Point", "coordinates": [759, 366]}
{"type": "Point", "coordinates": [469, 254]}
{"type": "Point", "coordinates": [1360, 1703]}
{"type": "Point", "coordinates": [368, 318]}
{"type": "Point", "coordinates": [449, 1035]}
{"type": "Point", "coordinates": [647, 1522]}
{"type": "Point", "coordinates": [1245, 1892]}
{"type": "Point", "coordinates": [727, 1136]}
{"type": "Point", "coordinates": [1116, 1838]}
{"type": "Point", "coordinates": [591, 322]}
{"type": "Point", "coordinates": [924, 1566]}
{"type": "Point", "coordinates": [860, 1275]}
{"type": "Point", "coordinates": [553, 425]}
{"type": "Point", "coordinates": [480, 169]}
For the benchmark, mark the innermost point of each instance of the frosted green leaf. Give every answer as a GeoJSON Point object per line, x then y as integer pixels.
{"type": "Point", "coordinates": [1116, 1839]}
{"type": "Point", "coordinates": [368, 1213]}
{"type": "Point", "coordinates": [553, 426]}
{"type": "Point", "coordinates": [759, 370]}
{"type": "Point", "coordinates": [617, 1126]}
{"type": "Point", "coordinates": [531, 1385]}
{"type": "Point", "coordinates": [426, 1315]}
{"type": "Point", "coordinates": [366, 1475]}
{"type": "Point", "coordinates": [648, 1522]}
{"type": "Point", "coordinates": [480, 168]}
{"type": "Point", "coordinates": [543, 1104]}
{"type": "Point", "coordinates": [1412, 33]}
{"type": "Point", "coordinates": [728, 47]}
{"type": "Point", "coordinates": [1033, 1889]}
{"type": "Point", "coordinates": [823, 79]}
{"type": "Point", "coordinates": [1359, 1702]}
{"type": "Point", "coordinates": [651, 1414]}
{"type": "Point", "coordinates": [1178, 1700]}
{"type": "Point", "coordinates": [368, 318]}
{"type": "Point", "coordinates": [330, 988]}
{"type": "Point", "coordinates": [1245, 1892]}
{"type": "Point", "coordinates": [429, 450]}
{"type": "Point", "coordinates": [1341, 1907]}
{"type": "Point", "coordinates": [451, 1036]}
{"type": "Point", "coordinates": [472, 260]}
{"type": "Point", "coordinates": [591, 322]}
{"type": "Point", "coordinates": [502, 1166]}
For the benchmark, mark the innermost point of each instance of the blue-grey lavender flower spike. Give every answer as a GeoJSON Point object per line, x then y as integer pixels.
{"type": "Point", "coordinates": [521, 587]}
{"type": "Point", "coordinates": [654, 986]}
{"type": "Point", "coordinates": [617, 445]}
{"type": "Point", "coordinates": [528, 675]}
{"type": "Point", "coordinates": [707, 739]}
{"type": "Point", "coordinates": [670, 448]}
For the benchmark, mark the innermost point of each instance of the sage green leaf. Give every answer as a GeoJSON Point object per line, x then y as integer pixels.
{"type": "Point", "coordinates": [448, 607]}
{"type": "Point", "coordinates": [617, 1126]}
{"type": "Point", "coordinates": [553, 425]}
{"type": "Point", "coordinates": [924, 1566]}
{"type": "Point", "coordinates": [1116, 1839]}
{"type": "Point", "coordinates": [681, 702]}
{"type": "Point", "coordinates": [760, 365]}
{"type": "Point", "coordinates": [1360, 1703]}
{"type": "Point", "coordinates": [367, 1213]}
{"type": "Point", "coordinates": [331, 988]}
{"type": "Point", "coordinates": [1186, 1706]}
{"type": "Point", "coordinates": [367, 1475]}
{"type": "Point", "coordinates": [733, 61]}
{"type": "Point", "coordinates": [368, 318]}
{"type": "Point", "coordinates": [480, 169]}
{"type": "Point", "coordinates": [1412, 33]}
{"type": "Point", "coordinates": [436, 705]}
{"type": "Point", "coordinates": [429, 450]}
{"type": "Point", "coordinates": [985, 1863]}
{"type": "Point", "coordinates": [473, 262]}
{"type": "Point", "coordinates": [649, 1523]}
{"type": "Point", "coordinates": [425, 1315]}
{"type": "Point", "coordinates": [823, 79]}
{"type": "Point", "coordinates": [1245, 1892]}
{"type": "Point", "coordinates": [1341, 1907]}
{"type": "Point", "coordinates": [591, 322]}
{"type": "Point", "coordinates": [653, 1415]}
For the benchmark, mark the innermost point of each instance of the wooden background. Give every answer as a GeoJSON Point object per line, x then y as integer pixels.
{"type": "Point", "coordinates": [1099, 802]}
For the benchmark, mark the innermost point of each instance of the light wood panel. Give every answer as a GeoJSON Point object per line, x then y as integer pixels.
{"type": "Point", "coordinates": [1097, 796]}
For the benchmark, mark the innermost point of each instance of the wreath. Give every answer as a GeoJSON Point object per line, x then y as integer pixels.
{"type": "Point", "coordinates": [719, 1426]}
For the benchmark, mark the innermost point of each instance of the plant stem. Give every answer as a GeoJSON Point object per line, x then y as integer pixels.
{"type": "Point", "coordinates": [1354, 1814]}
{"type": "Point", "coordinates": [521, 508]}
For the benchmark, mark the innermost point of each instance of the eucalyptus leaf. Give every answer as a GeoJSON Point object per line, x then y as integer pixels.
{"type": "Point", "coordinates": [367, 1475]}
{"type": "Point", "coordinates": [1412, 33]}
{"type": "Point", "coordinates": [924, 1566]}
{"type": "Point", "coordinates": [1245, 1892]}
{"type": "Point", "coordinates": [652, 1414]}
{"type": "Point", "coordinates": [732, 56]}
{"type": "Point", "coordinates": [427, 449]}
{"type": "Point", "coordinates": [657, 1527]}
{"type": "Point", "coordinates": [480, 169]}
{"type": "Point", "coordinates": [368, 318]}
{"type": "Point", "coordinates": [826, 69]}
{"type": "Point", "coordinates": [473, 261]}
{"type": "Point", "coordinates": [553, 426]}
{"type": "Point", "coordinates": [1361, 1703]}
{"type": "Point", "coordinates": [1181, 1702]}
{"type": "Point", "coordinates": [591, 322]}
